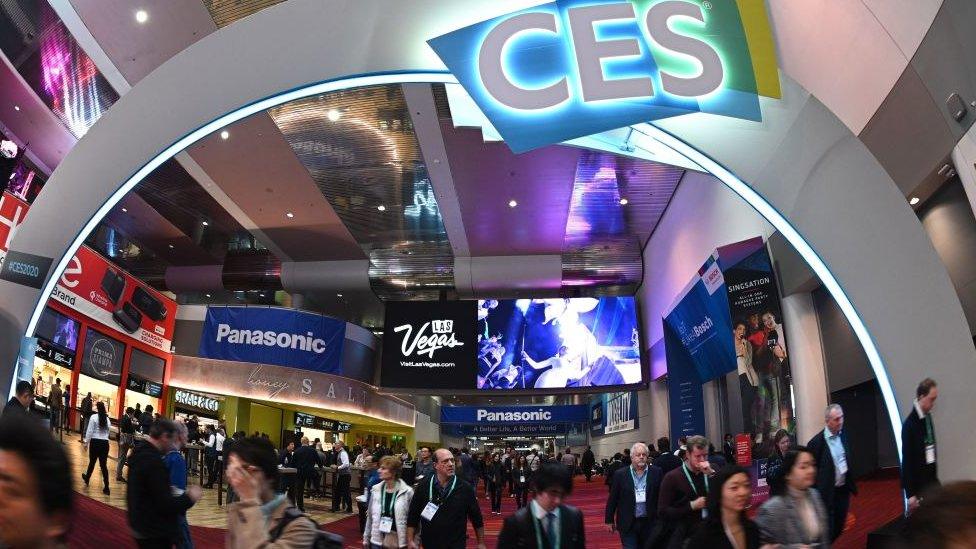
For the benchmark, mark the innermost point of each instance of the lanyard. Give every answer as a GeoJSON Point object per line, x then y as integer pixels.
{"type": "Point", "coordinates": [684, 468]}
{"type": "Point", "coordinates": [929, 435]}
{"type": "Point", "coordinates": [643, 482]}
{"type": "Point", "coordinates": [430, 489]}
{"type": "Point", "coordinates": [387, 509]}
{"type": "Point", "coordinates": [538, 532]}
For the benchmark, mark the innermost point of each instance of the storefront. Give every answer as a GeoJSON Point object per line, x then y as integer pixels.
{"type": "Point", "coordinates": [320, 428]}
{"type": "Point", "coordinates": [57, 343]}
{"type": "Point", "coordinates": [101, 370]}
{"type": "Point", "coordinates": [207, 408]}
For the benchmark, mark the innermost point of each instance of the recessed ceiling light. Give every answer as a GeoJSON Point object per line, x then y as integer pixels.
{"type": "Point", "coordinates": [289, 215]}
{"type": "Point", "coordinates": [205, 224]}
{"type": "Point", "coordinates": [124, 210]}
{"type": "Point", "coordinates": [624, 201]}
{"type": "Point", "coordinates": [512, 203]}
{"type": "Point", "coordinates": [333, 115]}
{"type": "Point", "coordinates": [338, 295]}
{"type": "Point", "coordinates": [225, 135]}
{"type": "Point", "coordinates": [16, 107]}
{"type": "Point", "coordinates": [171, 246]}
{"type": "Point", "coordinates": [914, 200]}
{"type": "Point", "coordinates": [381, 208]}
{"type": "Point", "coordinates": [142, 16]}
{"type": "Point", "coordinates": [208, 295]}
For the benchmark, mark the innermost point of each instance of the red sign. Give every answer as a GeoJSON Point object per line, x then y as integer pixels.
{"type": "Point", "coordinates": [105, 293]}
{"type": "Point", "coordinates": [12, 213]}
{"type": "Point", "coordinates": [743, 449]}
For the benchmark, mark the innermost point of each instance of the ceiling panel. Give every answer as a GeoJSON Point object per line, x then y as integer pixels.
{"type": "Point", "coordinates": [257, 169]}
{"type": "Point", "coordinates": [488, 175]}
{"type": "Point", "coordinates": [137, 49]}
{"type": "Point", "coordinates": [225, 12]}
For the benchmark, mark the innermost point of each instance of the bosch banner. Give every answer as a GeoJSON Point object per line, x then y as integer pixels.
{"type": "Point", "coordinates": [271, 335]}
{"type": "Point", "coordinates": [105, 293]}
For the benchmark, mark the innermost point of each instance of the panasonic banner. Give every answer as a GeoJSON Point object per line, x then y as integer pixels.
{"type": "Point", "coordinates": [531, 421]}
{"type": "Point", "coordinates": [268, 335]}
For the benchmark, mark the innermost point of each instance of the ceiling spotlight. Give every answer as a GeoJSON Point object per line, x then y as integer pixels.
{"type": "Point", "coordinates": [171, 246]}
{"type": "Point", "coordinates": [333, 115]}
{"type": "Point", "coordinates": [142, 16]}
{"type": "Point", "coordinates": [914, 200]}
{"type": "Point", "coordinates": [624, 201]}
{"type": "Point", "coordinates": [381, 208]}
{"type": "Point", "coordinates": [17, 107]}
{"type": "Point", "coordinates": [225, 135]}
{"type": "Point", "coordinates": [512, 203]}
{"type": "Point", "coordinates": [338, 295]}
{"type": "Point", "coordinates": [124, 210]}
{"type": "Point", "coordinates": [289, 215]}
{"type": "Point", "coordinates": [208, 295]}
{"type": "Point", "coordinates": [205, 224]}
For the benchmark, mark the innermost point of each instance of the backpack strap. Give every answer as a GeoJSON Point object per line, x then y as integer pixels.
{"type": "Point", "coordinates": [291, 513]}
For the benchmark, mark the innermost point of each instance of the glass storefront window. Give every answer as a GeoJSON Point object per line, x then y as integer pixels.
{"type": "Point", "coordinates": [134, 397]}
{"type": "Point", "coordinates": [48, 372]}
{"type": "Point", "coordinates": [101, 392]}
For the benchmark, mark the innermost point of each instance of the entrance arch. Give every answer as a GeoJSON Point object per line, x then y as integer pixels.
{"type": "Point", "coordinates": [807, 173]}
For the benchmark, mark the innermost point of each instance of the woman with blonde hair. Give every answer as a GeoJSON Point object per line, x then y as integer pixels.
{"type": "Point", "coordinates": [389, 502]}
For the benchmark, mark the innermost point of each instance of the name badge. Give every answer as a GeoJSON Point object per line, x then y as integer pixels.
{"type": "Point", "coordinates": [430, 511]}
{"type": "Point", "coordinates": [386, 525]}
{"type": "Point", "coordinates": [930, 454]}
{"type": "Point", "coordinates": [704, 513]}
{"type": "Point", "coordinates": [640, 496]}
{"type": "Point", "coordinates": [522, 479]}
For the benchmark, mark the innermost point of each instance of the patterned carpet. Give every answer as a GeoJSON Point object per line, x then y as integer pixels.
{"type": "Point", "coordinates": [97, 524]}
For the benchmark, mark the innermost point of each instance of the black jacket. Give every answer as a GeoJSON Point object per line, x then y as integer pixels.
{"type": "Point", "coordinates": [519, 530]}
{"type": "Point", "coordinates": [611, 469]}
{"type": "Point", "coordinates": [449, 527]}
{"type": "Point", "coordinates": [711, 535]}
{"type": "Point", "coordinates": [916, 475]}
{"type": "Point", "coordinates": [825, 467]}
{"type": "Point", "coordinates": [145, 422]}
{"type": "Point", "coordinates": [588, 459]}
{"type": "Point", "coordinates": [667, 462]}
{"type": "Point", "coordinates": [153, 510]}
{"type": "Point", "coordinates": [14, 407]}
{"type": "Point", "coordinates": [497, 474]}
{"type": "Point", "coordinates": [622, 502]}
{"type": "Point", "coordinates": [305, 459]}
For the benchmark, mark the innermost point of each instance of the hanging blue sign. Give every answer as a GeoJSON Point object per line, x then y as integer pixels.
{"type": "Point", "coordinates": [528, 430]}
{"type": "Point", "coordinates": [500, 415]}
{"type": "Point", "coordinates": [267, 335]}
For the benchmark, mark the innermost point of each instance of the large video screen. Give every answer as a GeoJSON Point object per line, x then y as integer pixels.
{"type": "Point", "coordinates": [58, 329]}
{"type": "Point", "coordinates": [558, 343]}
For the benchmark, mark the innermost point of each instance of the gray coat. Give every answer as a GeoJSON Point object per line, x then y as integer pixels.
{"type": "Point", "coordinates": [779, 522]}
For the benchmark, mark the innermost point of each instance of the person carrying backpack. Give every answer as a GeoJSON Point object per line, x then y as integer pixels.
{"type": "Point", "coordinates": [262, 518]}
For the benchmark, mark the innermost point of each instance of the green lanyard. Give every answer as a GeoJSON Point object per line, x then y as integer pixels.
{"type": "Point", "coordinates": [538, 531]}
{"type": "Point", "coordinates": [684, 468]}
{"type": "Point", "coordinates": [929, 435]}
{"type": "Point", "coordinates": [388, 509]}
{"type": "Point", "coordinates": [430, 490]}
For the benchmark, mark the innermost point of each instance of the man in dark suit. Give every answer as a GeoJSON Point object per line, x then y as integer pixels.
{"type": "Point", "coordinates": [22, 400]}
{"type": "Point", "coordinates": [632, 507]}
{"type": "Point", "coordinates": [666, 461]}
{"type": "Point", "coordinates": [304, 460]}
{"type": "Point", "coordinates": [919, 470]}
{"type": "Point", "coordinates": [546, 522]}
{"type": "Point", "coordinates": [834, 481]}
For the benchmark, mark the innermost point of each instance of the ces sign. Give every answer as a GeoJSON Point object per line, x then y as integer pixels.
{"type": "Point", "coordinates": [576, 67]}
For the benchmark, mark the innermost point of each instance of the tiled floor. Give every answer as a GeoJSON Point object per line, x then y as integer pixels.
{"type": "Point", "coordinates": [205, 513]}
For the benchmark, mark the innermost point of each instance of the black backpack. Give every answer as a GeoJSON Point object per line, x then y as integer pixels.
{"type": "Point", "coordinates": [323, 539]}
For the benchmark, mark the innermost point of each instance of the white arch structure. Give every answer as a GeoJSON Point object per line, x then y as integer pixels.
{"type": "Point", "coordinates": [867, 247]}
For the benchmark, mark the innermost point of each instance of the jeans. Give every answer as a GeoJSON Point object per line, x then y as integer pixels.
{"type": "Point", "coordinates": [125, 443]}
{"type": "Point", "coordinates": [185, 541]}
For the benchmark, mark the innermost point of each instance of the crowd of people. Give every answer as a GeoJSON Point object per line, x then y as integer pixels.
{"type": "Point", "coordinates": [690, 497]}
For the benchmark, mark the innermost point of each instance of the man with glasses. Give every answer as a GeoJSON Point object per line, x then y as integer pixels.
{"type": "Point", "coordinates": [546, 522]}
{"type": "Point", "coordinates": [632, 507]}
{"type": "Point", "coordinates": [441, 506]}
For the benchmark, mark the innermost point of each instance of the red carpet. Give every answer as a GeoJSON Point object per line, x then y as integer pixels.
{"type": "Point", "coordinates": [96, 523]}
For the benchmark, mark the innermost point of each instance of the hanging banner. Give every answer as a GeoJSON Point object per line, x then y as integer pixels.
{"type": "Point", "coordinates": [103, 292]}
{"type": "Point", "coordinates": [527, 430]}
{"type": "Point", "coordinates": [498, 415]}
{"type": "Point", "coordinates": [617, 413]}
{"type": "Point", "coordinates": [759, 337]}
{"type": "Point", "coordinates": [685, 398]}
{"type": "Point", "coordinates": [271, 335]}
{"type": "Point", "coordinates": [700, 319]}
{"type": "Point", "coordinates": [25, 359]}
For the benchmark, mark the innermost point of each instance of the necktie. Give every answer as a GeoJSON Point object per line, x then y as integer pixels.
{"type": "Point", "coordinates": [551, 529]}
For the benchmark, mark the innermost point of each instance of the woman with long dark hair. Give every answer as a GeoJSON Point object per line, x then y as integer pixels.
{"type": "Point", "coordinates": [781, 445]}
{"type": "Point", "coordinates": [96, 441]}
{"type": "Point", "coordinates": [727, 527]}
{"type": "Point", "coordinates": [795, 516]}
{"type": "Point", "coordinates": [496, 483]}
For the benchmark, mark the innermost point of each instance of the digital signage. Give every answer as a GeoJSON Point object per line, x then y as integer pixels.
{"type": "Point", "coordinates": [512, 345]}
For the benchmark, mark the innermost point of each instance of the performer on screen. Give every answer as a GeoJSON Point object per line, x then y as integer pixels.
{"type": "Point", "coordinates": [562, 369]}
